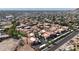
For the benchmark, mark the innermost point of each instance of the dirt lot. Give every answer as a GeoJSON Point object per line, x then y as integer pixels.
{"type": "Point", "coordinates": [9, 45]}
{"type": "Point", "coordinates": [25, 48]}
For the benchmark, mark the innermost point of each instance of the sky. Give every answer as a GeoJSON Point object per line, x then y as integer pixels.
{"type": "Point", "coordinates": [37, 8]}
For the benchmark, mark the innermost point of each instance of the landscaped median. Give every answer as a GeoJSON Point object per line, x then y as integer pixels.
{"type": "Point", "coordinates": [54, 40]}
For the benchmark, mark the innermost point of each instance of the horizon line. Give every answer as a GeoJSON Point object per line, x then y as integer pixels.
{"type": "Point", "coordinates": [37, 9]}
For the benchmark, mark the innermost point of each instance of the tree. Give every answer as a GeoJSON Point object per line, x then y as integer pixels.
{"type": "Point", "coordinates": [13, 32]}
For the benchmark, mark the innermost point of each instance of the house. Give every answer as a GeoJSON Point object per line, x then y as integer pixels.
{"type": "Point", "coordinates": [4, 36]}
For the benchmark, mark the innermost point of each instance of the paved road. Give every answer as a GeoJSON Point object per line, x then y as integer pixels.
{"type": "Point", "coordinates": [64, 40]}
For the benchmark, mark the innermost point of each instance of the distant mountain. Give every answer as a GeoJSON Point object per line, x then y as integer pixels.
{"type": "Point", "coordinates": [76, 11]}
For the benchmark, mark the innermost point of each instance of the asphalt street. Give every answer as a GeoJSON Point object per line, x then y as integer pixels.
{"type": "Point", "coordinates": [64, 40]}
